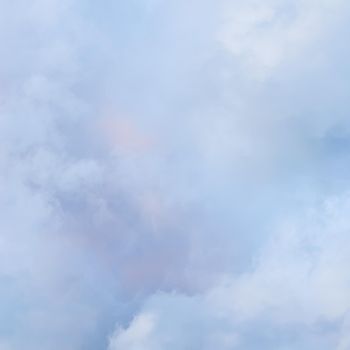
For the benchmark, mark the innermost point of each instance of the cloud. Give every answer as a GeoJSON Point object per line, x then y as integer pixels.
{"type": "Point", "coordinates": [296, 295]}
{"type": "Point", "coordinates": [263, 36]}
{"type": "Point", "coordinates": [125, 136]}
{"type": "Point", "coordinates": [132, 215]}
{"type": "Point", "coordinates": [137, 336]}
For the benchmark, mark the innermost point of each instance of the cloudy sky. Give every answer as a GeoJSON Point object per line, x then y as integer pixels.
{"type": "Point", "coordinates": [174, 175]}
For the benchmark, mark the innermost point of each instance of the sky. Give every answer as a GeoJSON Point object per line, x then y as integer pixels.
{"type": "Point", "coordinates": [174, 174]}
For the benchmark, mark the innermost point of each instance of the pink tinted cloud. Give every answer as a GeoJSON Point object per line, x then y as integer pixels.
{"type": "Point", "coordinates": [125, 136]}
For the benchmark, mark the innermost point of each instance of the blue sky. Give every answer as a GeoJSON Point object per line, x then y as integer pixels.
{"type": "Point", "coordinates": [174, 175]}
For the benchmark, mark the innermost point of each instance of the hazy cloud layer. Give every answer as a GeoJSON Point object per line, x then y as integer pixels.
{"type": "Point", "coordinates": [173, 175]}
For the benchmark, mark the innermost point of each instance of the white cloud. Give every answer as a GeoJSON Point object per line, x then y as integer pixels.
{"type": "Point", "coordinates": [137, 336]}
{"type": "Point", "coordinates": [300, 281]}
{"type": "Point", "coordinates": [264, 35]}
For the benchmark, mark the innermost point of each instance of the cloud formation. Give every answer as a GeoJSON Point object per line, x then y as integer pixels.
{"type": "Point", "coordinates": [264, 36]}
{"type": "Point", "coordinates": [295, 296]}
{"type": "Point", "coordinates": [149, 150]}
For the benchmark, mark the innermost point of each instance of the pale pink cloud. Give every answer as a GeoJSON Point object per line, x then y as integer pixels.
{"type": "Point", "coordinates": [125, 136]}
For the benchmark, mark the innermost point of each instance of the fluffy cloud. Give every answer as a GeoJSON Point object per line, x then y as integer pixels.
{"type": "Point", "coordinates": [139, 157]}
{"type": "Point", "coordinates": [265, 35]}
{"type": "Point", "coordinates": [296, 296]}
